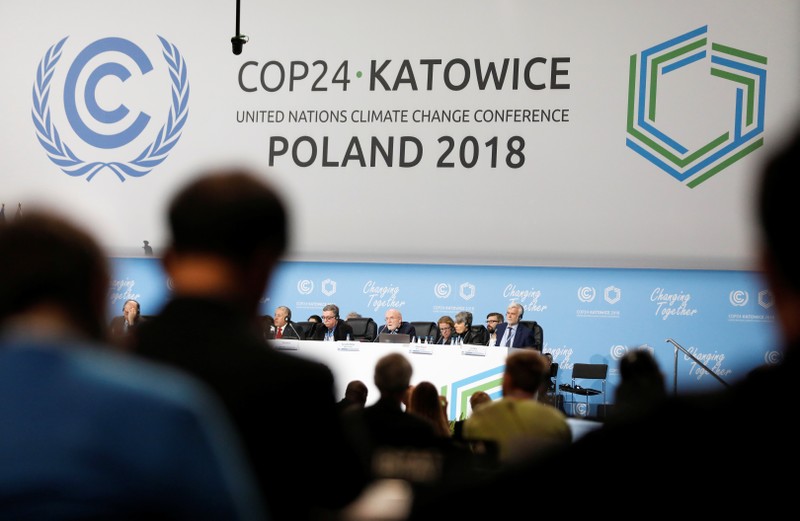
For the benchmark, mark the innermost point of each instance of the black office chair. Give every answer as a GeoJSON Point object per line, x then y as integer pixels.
{"type": "Point", "coordinates": [426, 329]}
{"type": "Point", "coordinates": [586, 372]}
{"type": "Point", "coordinates": [538, 333]}
{"type": "Point", "coordinates": [305, 329]}
{"type": "Point", "coordinates": [480, 332]}
{"type": "Point", "coordinates": [364, 328]}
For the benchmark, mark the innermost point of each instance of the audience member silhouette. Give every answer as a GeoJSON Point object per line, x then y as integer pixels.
{"type": "Point", "coordinates": [475, 399]}
{"type": "Point", "coordinates": [355, 396]}
{"type": "Point", "coordinates": [641, 384]}
{"type": "Point", "coordinates": [426, 403]}
{"type": "Point", "coordinates": [689, 442]}
{"type": "Point", "coordinates": [89, 433]}
{"type": "Point", "coordinates": [518, 421]}
{"type": "Point", "coordinates": [266, 324]}
{"type": "Point", "coordinates": [479, 398]}
{"type": "Point", "coordinates": [387, 423]}
{"type": "Point", "coordinates": [228, 231]}
{"type": "Point", "coordinates": [333, 328]}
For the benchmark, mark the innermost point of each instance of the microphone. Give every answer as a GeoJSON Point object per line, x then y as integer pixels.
{"type": "Point", "coordinates": [378, 334]}
{"type": "Point", "coordinates": [289, 324]}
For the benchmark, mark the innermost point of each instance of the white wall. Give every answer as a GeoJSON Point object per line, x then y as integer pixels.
{"type": "Point", "coordinates": [583, 198]}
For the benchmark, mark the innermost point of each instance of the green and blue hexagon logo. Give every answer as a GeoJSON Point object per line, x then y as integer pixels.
{"type": "Point", "coordinates": [741, 84]}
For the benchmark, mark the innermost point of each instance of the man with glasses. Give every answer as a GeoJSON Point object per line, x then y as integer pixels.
{"type": "Point", "coordinates": [334, 328]}
{"type": "Point", "coordinates": [512, 333]}
{"type": "Point", "coordinates": [395, 325]}
{"type": "Point", "coordinates": [492, 320]}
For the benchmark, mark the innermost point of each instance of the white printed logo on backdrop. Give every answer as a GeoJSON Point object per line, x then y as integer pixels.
{"type": "Point", "coordinates": [586, 294]}
{"type": "Point", "coordinates": [441, 290]}
{"type": "Point", "coordinates": [612, 294]}
{"type": "Point", "coordinates": [467, 291]}
{"type": "Point", "coordinates": [738, 297]}
{"type": "Point", "coordinates": [745, 311]}
{"type": "Point", "coordinates": [328, 287]}
{"type": "Point", "coordinates": [305, 286]}
{"type": "Point", "coordinates": [766, 299]}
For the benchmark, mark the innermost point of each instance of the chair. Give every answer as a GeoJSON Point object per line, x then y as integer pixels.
{"type": "Point", "coordinates": [305, 329]}
{"type": "Point", "coordinates": [538, 334]}
{"type": "Point", "coordinates": [364, 328]}
{"type": "Point", "coordinates": [426, 329]}
{"type": "Point", "coordinates": [480, 331]}
{"type": "Point", "coordinates": [586, 372]}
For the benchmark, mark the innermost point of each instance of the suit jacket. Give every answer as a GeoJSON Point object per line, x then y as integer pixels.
{"type": "Point", "coordinates": [79, 417]}
{"type": "Point", "coordinates": [523, 336]}
{"type": "Point", "coordinates": [404, 329]}
{"type": "Point", "coordinates": [117, 326]}
{"type": "Point", "coordinates": [295, 443]}
{"type": "Point", "coordinates": [291, 331]}
{"type": "Point", "coordinates": [340, 332]}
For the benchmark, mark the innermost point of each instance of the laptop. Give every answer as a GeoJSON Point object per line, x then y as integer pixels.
{"type": "Point", "coordinates": [396, 338]}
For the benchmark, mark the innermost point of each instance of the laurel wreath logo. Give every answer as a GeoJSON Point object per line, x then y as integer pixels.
{"type": "Point", "coordinates": [152, 156]}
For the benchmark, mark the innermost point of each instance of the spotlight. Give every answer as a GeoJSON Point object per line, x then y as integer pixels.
{"type": "Point", "coordinates": [237, 42]}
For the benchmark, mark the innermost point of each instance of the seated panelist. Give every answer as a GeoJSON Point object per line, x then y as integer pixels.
{"type": "Point", "coordinates": [394, 324]}
{"type": "Point", "coordinates": [284, 328]}
{"type": "Point", "coordinates": [333, 328]}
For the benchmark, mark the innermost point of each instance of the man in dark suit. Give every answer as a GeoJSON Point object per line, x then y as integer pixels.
{"type": "Point", "coordinates": [284, 328]}
{"type": "Point", "coordinates": [387, 424]}
{"type": "Point", "coordinates": [511, 333]}
{"type": "Point", "coordinates": [123, 326]}
{"type": "Point", "coordinates": [395, 325]}
{"type": "Point", "coordinates": [229, 229]}
{"type": "Point", "coordinates": [333, 328]}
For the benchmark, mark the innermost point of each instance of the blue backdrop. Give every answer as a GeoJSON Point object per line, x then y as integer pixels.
{"type": "Point", "coordinates": [589, 315]}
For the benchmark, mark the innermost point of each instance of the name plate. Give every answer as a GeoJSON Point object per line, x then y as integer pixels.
{"type": "Point", "coordinates": [473, 350]}
{"type": "Point", "coordinates": [348, 346]}
{"type": "Point", "coordinates": [286, 344]}
{"type": "Point", "coordinates": [421, 349]}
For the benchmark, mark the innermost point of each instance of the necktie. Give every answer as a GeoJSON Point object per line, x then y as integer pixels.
{"type": "Point", "coordinates": [279, 332]}
{"type": "Point", "coordinates": [509, 337]}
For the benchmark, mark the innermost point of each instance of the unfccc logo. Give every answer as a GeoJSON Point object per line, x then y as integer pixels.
{"type": "Point", "coordinates": [586, 293]}
{"type": "Point", "coordinates": [441, 290]}
{"type": "Point", "coordinates": [743, 71]}
{"type": "Point", "coordinates": [738, 297]}
{"type": "Point", "coordinates": [104, 130]}
{"type": "Point", "coordinates": [305, 286]}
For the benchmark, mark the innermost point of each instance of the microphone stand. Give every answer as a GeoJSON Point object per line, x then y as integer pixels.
{"type": "Point", "coordinates": [698, 362]}
{"type": "Point", "coordinates": [289, 323]}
